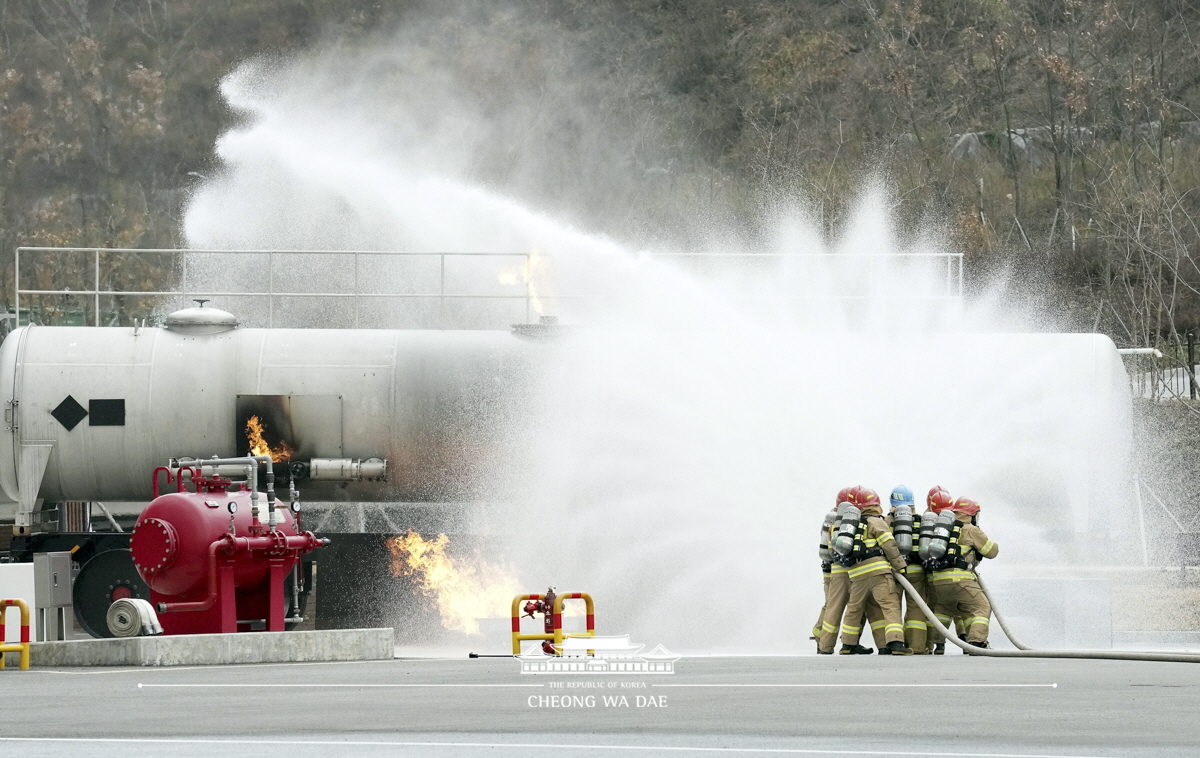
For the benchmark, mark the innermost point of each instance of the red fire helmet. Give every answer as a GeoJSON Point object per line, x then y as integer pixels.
{"type": "Point", "coordinates": [938, 499]}
{"type": "Point", "coordinates": [845, 495]}
{"type": "Point", "coordinates": [866, 498]}
{"type": "Point", "coordinates": [965, 505]}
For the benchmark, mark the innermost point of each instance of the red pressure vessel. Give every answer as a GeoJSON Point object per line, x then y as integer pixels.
{"type": "Point", "coordinates": [209, 567]}
{"type": "Point", "coordinates": [171, 539]}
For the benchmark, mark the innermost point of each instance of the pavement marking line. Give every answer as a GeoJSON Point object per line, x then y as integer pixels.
{"type": "Point", "coordinates": [1049, 686]}
{"type": "Point", "coordinates": [310, 686]}
{"type": "Point", "coordinates": [543, 746]}
{"type": "Point", "coordinates": [158, 669]}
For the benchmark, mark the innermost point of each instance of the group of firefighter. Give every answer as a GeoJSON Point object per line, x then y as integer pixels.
{"type": "Point", "coordinates": [936, 553]}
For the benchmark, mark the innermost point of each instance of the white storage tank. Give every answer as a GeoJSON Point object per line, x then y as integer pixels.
{"type": "Point", "coordinates": [92, 411]}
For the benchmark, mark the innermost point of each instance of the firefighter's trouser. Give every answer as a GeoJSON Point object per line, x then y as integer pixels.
{"type": "Point", "coordinates": [963, 599]}
{"type": "Point", "coordinates": [816, 630]}
{"type": "Point", "coordinates": [916, 627]}
{"type": "Point", "coordinates": [876, 595]}
{"type": "Point", "coordinates": [836, 597]}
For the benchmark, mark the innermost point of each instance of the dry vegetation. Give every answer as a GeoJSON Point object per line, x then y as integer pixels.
{"type": "Point", "coordinates": [1058, 139]}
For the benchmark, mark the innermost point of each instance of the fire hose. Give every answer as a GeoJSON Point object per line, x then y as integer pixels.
{"type": "Point", "coordinates": [1025, 652]}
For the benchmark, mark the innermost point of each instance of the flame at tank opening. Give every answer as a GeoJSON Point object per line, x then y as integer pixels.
{"type": "Point", "coordinates": [464, 591]}
{"type": "Point", "coordinates": [258, 444]}
{"type": "Point", "coordinates": [527, 274]}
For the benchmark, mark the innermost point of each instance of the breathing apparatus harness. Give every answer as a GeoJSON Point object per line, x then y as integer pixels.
{"type": "Point", "coordinates": [954, 556]}
{"type": "Point", "coordinates": [859, 552]}
{"type": "Point", "coordinates": [824, 549]}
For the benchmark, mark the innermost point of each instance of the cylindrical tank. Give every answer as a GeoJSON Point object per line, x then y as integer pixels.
{"type": "Point", "coordinates": [928, 519]}
{"type": "Point", "coordinates": [902, 527]}
{"type": "Point", "coordinates": [102, 406]}
{"type": "Point", "coordinates": [823, 548]}
{"type": "Point", "coordinates": [939, 540]}
{"type": "Point", "coordinates": [848, 517]}
{"type": "Point", "coordinates": [171, 539]}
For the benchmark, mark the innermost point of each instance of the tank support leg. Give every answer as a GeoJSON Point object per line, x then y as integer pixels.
{"type": "Point", "coordinates": [227, 601]}
{"type": "Point", "coordinates": [276, 604]}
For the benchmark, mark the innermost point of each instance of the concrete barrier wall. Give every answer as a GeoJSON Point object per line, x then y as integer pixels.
{"type": "Point", "coordinates": [16, 581]}
{"type": "Point", "coordinates": [217, 649]}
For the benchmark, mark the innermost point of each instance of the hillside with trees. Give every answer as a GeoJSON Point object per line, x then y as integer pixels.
{"type": "Point", "coordinates": [1056, 139]}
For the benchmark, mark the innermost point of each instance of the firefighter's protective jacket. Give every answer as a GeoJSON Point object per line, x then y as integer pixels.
{"type": "Point", "coordinates": [973, 545]}
{"type": "Point", "coordinates": [876, 537]}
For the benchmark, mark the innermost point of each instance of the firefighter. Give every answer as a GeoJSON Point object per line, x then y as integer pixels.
{"type": "Point", "coordinates": [956, 591]}
{"type": "Point", "coordinates": [916, 628]}
{"type": "Point", "coordinates": [826, 556]}
{"type": "Point", "coordinates": [837, 592]}
{"type": "Point", "coordinates": [872, 587]}
{"type": "Point", "coordinates": [938, 500]}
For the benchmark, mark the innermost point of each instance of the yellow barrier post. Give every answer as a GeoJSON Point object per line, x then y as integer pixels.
{"type": "Point", "coordinates": [517, 637]}
{"type": "Point", "coordinates": [23, 646]}
{"type": "Point", "coordinates": [555, 616]}
{"type": "Point", "coordinates": [558, 625]}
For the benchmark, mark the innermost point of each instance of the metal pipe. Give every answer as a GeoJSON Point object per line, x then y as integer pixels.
{"type": "Point", "coordinates": [1139, 351]}
{"type": "Point", "coordinates": [110, 518]}
{"type": "Point", "coordinates": [233, 545]}
{"type": "Point", "coordinates": [210, 599]}
{"type": "Point", "coordinates": [251, 463]}
{"type": "Point", "coordinates": [296, 617]}
{"type": "Point", "coordinates": [1112, 655]}
{"type": "Point", "coordinates": [272, 517]}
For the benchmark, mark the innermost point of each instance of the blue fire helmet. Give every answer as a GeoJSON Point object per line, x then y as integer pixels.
{"type": "Point", "coordinates": [902, 496]}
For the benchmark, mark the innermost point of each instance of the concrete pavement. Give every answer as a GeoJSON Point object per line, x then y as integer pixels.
{"type": "Point", "coordinates": [807, 705]}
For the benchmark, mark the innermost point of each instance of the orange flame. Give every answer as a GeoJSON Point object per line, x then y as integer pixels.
{"type": "Point", "coordinates": [464, 592]}
{"type": "Point", "coordinates": [258, 445]}
{"type": "Point", "coordinates": [529, 273]}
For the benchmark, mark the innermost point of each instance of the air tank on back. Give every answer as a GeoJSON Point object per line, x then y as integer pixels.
{"type": "Point", "coordinates": [91, 410]}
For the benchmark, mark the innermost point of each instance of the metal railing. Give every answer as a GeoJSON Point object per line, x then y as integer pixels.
{"type": "Point", "coordinates": [372, 276]}
{"type": "Point", "coordinates": [953, 269]}
{"type": "Point", "coordinates": [188, 288]}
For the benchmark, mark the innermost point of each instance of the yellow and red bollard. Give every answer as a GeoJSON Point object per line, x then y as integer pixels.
{"type": "Point", "coordinates": [23, 646]}
{"type": "Point", "coordinates": [550, 606]}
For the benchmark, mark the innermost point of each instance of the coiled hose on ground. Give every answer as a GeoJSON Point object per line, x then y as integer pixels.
{"type": "Point", "coordinates": [1025, 652]}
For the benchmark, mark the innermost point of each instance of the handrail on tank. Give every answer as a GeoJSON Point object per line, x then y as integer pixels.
{"type": "Point", "coordinates": [21, 647]}
{"type": "Point", "coordinates": [953, 275]}
{"type": "Point", "coordinates": [556, 637]}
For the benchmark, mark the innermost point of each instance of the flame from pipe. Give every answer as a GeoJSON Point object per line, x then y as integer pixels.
{"type": "Point", "coordinates": [465, 591]}
{"type": "Point", "coordinates": [258, 445]}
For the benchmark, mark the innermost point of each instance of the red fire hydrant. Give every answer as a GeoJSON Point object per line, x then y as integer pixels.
{"type": "Point", "coordinates": [545, 606]}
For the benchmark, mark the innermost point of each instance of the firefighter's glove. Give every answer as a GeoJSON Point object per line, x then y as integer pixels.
{"type": "Point", "coordinates": [900, 566]}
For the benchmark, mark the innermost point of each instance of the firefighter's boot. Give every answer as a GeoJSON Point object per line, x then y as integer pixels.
{"type": "Point", "coordinates": [896, 647]}
{"type": "Point", "coordinates": [855, 650]}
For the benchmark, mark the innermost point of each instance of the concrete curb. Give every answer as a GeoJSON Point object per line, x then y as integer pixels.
{"type": "Point", "coordinates": [216, 649]}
